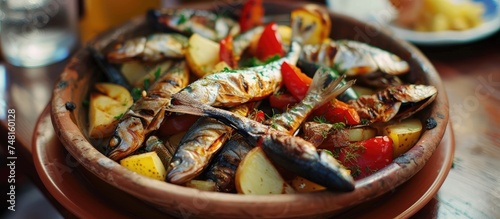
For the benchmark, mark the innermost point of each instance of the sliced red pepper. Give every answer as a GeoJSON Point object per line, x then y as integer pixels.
{"type": "Point", "coordinates": [365, 157]}
{"type": "Point", "coordinates": [269, 44]}
{"type": "Point", "coordinates": [252, 15]}
{"type": "Point", "coordinates": [296, 82]}
{"type": "Point", "coordinates": [176, 124]}
{"type": "Point", "coordinates": [259, 116]}
{"type": "Point", "coordinates": [226, 52]}
{"type": "Point", "coordinates": [338, 111]}
{"type": "Point", "coordinates": [282, 101]}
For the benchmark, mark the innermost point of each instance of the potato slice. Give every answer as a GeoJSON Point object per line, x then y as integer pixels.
{"type": "Point", "coordinates": [404, 135]}
{"type": "Point", "coordinates": [312, 13]}
{"type": "Point", "coordinates": [257, 175]}
{"type": "Point", "coordinates": [303, 185]}
{"type": "Point", "coordinates": [133, 71]}
{"type": "Point", "coordinates": [360, 134]}
{"type": "Point", "coordinates": [147, 164]}
{"type": "Point", "coordinates": [202, 55]}
{"type": "Point", "coordinates": [106, 107]}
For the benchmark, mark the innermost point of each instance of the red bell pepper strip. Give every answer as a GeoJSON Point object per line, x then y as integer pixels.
{"type": "Point", "coordinates": [296, 82]}
{"type": "Point", "coordinates": [269, 43]}
{"type": "Point", "coordinates": [338, 111]}
{"type": "Point", "coordinates": [365, 157]}
{"type": "Point", "coordinates": [259, 116]}
{"type": "Point", "coordinates": [226, 52]}
{"type": "Point", "coordinates": [176, 124]}
{"type": "Point", "coordinates": [252, 15]}
{"type": "Point", "coordinates": [282, 101]}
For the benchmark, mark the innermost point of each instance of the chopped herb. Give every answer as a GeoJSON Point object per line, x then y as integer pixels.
{"type": "Point", "coordinates": [146, 83]}
{"type": "Point", "coordinates": [119, 116]}
{"type": "Point", "coordinates": [182, 19]}
{"type": "Point", "coordinates": [364, 121]}
{"type": "Point", "coordinates": [226, 69]}
{"type": "Point", "coordinates": [272, 59]}
{"type": "Point", "coordinates": [338, 126]}
{"type": "Point", "coordinates": [157, 73]}
{"type": "Point", "coordinates": [320, 119]}
{"type": "Point", "coordinates": [328, 152]}
{"type": "Point", "coordinates": [136, 93]}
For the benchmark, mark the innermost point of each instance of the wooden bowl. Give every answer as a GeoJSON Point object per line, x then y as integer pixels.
{"type": "Point", "coordinates": [70, 124]}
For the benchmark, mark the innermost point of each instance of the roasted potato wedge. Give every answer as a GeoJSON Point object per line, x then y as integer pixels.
{"type": "Point", "coordinates": [257, 175]}
{"type": "Point", "coordinates": [202, 55]}
{"type": "Point", "coordinates": [314, 14]}
{"type": "Point", "coordinates": [107, 105]}
{"type": "Point", "coordinates": [404, 135]}
{"type": "Point", "coordinates": [148, 164]}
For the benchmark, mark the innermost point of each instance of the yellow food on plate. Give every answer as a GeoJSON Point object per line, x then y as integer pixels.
{"type": "Point", "coordinates": [314, 14]}
{"type": "Point", "coordinates": [404, 135]}
{"type": "Point", "coordinates": [442, 15]}
{"type": "Point", "coordinates": [107, 104]}
{"type": "Point", "coordinates": [147, 164]}
{"type": "Point", "coordinates": [202, 55]}
{"type": "Point", "coordinates": [257, 175]}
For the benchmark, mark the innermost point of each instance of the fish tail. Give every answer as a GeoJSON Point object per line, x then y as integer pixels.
{"type": "Point", "coordinates": [323, 89]}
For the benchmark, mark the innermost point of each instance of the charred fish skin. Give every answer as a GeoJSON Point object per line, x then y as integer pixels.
{"type": "Point", "coordinates": [322, 89]}
{"type": "Point", "coordinates": [188, 21]}
{"type": "Point", "coordinates": [387, 104]}
{"type": "Point", "coordinates": [199, 145]}
{"type": "Point", "coordinates": [152, 48]}
{"type": "Point", "coordinates": [224, 166]}
{"type": "Point", "coordinates": [290, 152]}
{"type": "Point", "coordinates": [355, 58]}
{"type": "Point", "coordinates": [147, 113]}
{"type": "Point", "coordinates": [300, 156]}
{"type": "Point", "coordinates": [234, 87]}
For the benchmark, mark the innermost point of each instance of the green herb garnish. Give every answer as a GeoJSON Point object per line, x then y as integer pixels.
{"type": "Point", "coordinates": [136, 93]}
{"type": "Point", "coordinates": [118, 117]}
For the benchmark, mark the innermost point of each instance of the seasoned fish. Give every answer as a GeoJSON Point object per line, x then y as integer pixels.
{"type": "Point", "coordinates": [223, 170]}
{"type": "Point", "coordinates": [147, 113]}
{"type": "Point", "coordinates": [292, 153]}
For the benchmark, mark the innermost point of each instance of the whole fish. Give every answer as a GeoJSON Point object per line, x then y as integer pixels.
{"type": "Point", "coordinates": [223, 170]}
{"type": "Point", "coordinates": [230, 88]}
{"type": "Point", "coordinates": [354, 58]}
{"type": "Point", "coordinates": [292, 153]}
{"type": "Point", "coordinates": [394, 102]}
{"type": "Point", "coordinates": [188, 21]}
{"type": "Point", "coordinates": [197, 147]}
{"type": "Point", "coordinates": [233, 87]}
{"type": "Point", "coordinates": [147, 113]}
{"type": "Point", "coordinates": [152, 48]}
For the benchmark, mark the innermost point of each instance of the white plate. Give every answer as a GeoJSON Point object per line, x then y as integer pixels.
{"type": "Point", "coordinates": [490, 26]}
{"type": "Point", "coordinates": [382, 14]}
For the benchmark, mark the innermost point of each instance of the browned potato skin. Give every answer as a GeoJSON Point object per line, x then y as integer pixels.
{"type": "Point", "coordinates": [312, 13]}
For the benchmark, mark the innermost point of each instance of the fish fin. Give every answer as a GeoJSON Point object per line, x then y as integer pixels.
{"type": "Point", "coordinates": [186, 105]}
{"type": "Point", "coordinates": [326, 89]}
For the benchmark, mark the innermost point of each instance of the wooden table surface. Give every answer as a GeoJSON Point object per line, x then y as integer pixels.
{"type": "Point", "coordinates": [471, 75]}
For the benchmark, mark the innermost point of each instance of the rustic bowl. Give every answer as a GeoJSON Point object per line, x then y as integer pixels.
{"type": "Point", "coordinates": [70, 125]}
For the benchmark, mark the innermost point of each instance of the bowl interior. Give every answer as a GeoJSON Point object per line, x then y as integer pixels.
{"type": "Point", "coordinates": [70, 124]}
